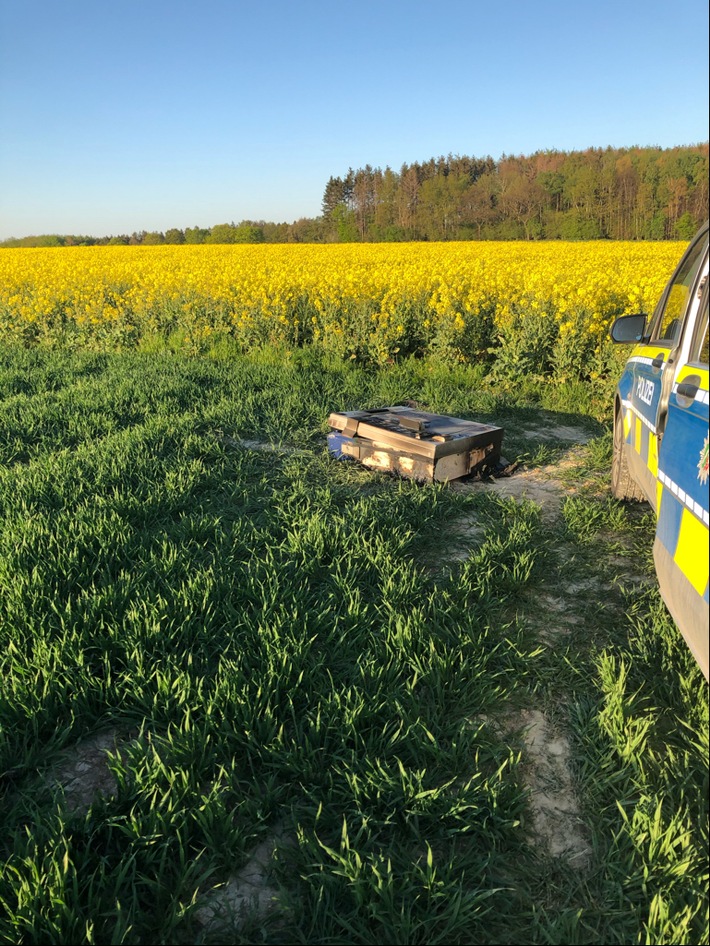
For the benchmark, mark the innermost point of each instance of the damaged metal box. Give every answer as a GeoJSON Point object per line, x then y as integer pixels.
{"type": "Point", "coordinates": [415, 444]}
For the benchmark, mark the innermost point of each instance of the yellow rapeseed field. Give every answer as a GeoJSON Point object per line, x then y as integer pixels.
{"type": "Point", "coordinates": [377, 300]}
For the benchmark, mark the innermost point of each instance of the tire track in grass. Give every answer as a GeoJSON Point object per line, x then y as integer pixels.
{"type": "Point", "coordinates": [550, 610]}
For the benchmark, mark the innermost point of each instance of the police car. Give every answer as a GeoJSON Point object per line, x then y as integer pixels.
{"type": "Point", "coordinates": [661, 437]}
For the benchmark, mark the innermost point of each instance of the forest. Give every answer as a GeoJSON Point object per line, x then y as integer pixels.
{"type": "Point", "coordinates": [618, 194]}
{"type": "Point", "coordinates": [601, 193]}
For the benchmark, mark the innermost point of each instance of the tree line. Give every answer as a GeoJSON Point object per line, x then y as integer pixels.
{"type": "Point", "coordinates": [601, 193]}
{"type": "Point", "coordinates": [612, 193]}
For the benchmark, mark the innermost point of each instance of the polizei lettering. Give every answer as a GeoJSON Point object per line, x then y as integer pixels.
{"type": "Point", "coordinates": [644, 390]}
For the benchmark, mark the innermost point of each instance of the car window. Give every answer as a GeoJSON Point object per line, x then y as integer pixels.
{"type": "Point", "coordinates": [699, 348]}
{"type": "Point", "coordinates": [668, 321]}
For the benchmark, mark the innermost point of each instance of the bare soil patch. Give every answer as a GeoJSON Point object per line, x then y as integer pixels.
{"type": "Point", "coordinates": [248, 894]}
{"type": "Point", "coordinates": [542, 485]}
{"type": "Point", "coordinates": [84, 773]}
{"type": "Point", "coordinates": [558, 432]}
{"type": "Point", "coordinates": [557, 822]}
{"type": "Point", "coordinates": [556, 816]}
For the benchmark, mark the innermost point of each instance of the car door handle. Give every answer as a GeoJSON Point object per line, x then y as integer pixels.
{"type": "Point", "coordinates": [688, 389]}
{"type": "Point", "coordinates": [657, 361]}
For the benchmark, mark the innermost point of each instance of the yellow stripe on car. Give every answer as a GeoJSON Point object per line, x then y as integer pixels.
{"type": "Point", "coordinates": [692, 537]}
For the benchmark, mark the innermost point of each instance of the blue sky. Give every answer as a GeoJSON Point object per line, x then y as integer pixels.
{"type": "Point", "coordinates": [148, 114]}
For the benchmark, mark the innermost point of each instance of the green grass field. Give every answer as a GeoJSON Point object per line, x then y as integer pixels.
{"type": "Point", "coordinates": [339, 707]}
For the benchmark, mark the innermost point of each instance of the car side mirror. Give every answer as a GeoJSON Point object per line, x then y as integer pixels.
{"type": "Point", "coordinates": [628, 328]}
